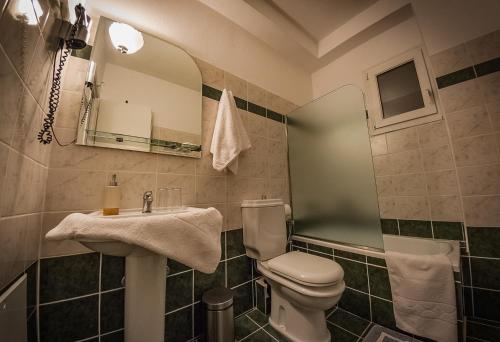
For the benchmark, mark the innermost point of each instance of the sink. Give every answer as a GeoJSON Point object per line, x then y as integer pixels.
{"type": "Point", "coordinates": [122, 249]}
{"type": "Point", "coordinates": [145, 280]}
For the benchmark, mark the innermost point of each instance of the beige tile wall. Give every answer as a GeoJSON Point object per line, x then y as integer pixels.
{"type": "Point", "coordinates": [25, 56]}
{"type": "Point", "coordinates": [450, 169]}
{"type": "Point", "coordinates": [77, 174]}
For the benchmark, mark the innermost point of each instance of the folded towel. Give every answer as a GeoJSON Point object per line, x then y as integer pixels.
{"type": "Point", "coordinates": [191, 238]}
{"type": "Point", "coordinates": [423, 295]}
{"type": "Point", "coordinates": [230, 137]}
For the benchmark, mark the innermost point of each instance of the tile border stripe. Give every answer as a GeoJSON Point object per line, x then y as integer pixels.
{"type": "Point", "coordinates": [469, 73]}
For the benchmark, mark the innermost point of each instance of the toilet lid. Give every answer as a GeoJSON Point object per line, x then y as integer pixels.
{"type": "Point", "coordinates": [307, 268]}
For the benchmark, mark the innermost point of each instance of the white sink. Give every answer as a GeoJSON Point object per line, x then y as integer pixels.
{"type": "Point", "coordinates": [118, 248]}
{"type": "Point", "coordinates": [145, 280]}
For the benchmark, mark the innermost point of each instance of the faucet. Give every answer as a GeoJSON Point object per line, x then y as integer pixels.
{"type": "Point", "coordinates": [147, 201]}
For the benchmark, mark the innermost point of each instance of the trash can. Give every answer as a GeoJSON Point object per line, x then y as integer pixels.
{"type": "Point", "coordinates": [219, 316]}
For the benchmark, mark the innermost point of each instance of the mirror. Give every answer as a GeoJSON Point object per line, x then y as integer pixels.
{"type": "Point", "coordinates": [141, 94]}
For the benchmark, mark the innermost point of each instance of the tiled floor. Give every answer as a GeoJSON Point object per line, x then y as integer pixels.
{"type": "Point", "coordinates": [343, 326]}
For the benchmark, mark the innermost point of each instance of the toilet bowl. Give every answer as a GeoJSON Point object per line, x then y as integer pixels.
{"type": "Point", "coordinates": [299, 300]}
{"type": "Point", "coordinates": [302, 285]}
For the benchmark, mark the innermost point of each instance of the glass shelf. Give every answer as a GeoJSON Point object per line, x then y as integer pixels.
{"type": "Point", "coordinates": [156, 144]}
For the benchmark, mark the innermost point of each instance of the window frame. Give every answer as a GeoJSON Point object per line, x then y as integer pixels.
{"type": "Point", "coordinates": [430, 112]}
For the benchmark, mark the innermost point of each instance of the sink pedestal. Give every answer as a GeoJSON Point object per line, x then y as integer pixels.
{"type": "Point", "coordinates": [145, 283]}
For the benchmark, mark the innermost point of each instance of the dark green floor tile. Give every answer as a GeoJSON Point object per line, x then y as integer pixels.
{"type": "Point", "coordinates": [68, 276]}
{"type": "Point", "coordinates": [485, 273]}
{"type": "Point", "coordinates": [178, 325]}
{"type": "Point", "coordinates": [179, 291]}
{"type": "Point", "coordinates": [383, 313]}
{"type": "Point", "coordinates": [483, 330]}
{"type": "Point", "coordinates": [112, 310]}
{"type": "Point", "coordinates": [349, 255]}
{"type": "Point", "coordinates": [243, 300]}
{"type": "Point", "coordinates": [112, 272]}
{"type": "Point", "coordinates": [484, 242]}
{"type": "Point", "coordinates": [258, 317]}
{"type": "Point", "coordinates": [271, 331]}
{"type": "Point", "coordinates": [69, 320]}
{"type": "Point", "coordinates": [198, 319]}
{"type": "Point", "coordinates": [300, 244]}
{"type": "Point", "coordinates": [348, 321]}
{"type": "Point", "coordinates": [376, 261]}
{"type": "Point", "coordinates": [234, 243]}
{"type": "Point", "coordinates": [322, 255]}
{"type": "Point", "coordinates": [176, 267]}
{"type": "Point", "coordinates": [204, 282]}
{"type": "Point", "coordinates": [244, 326]}
{"type": "Point", "coordinates": [239, 270]}
{"type": "Point", "coordinates": [117, 336]}
{"type": "Point", "coordinates": [465, 271]}
{"type": "Point", "coordinates": [259, 336]}
{"type": "Point", "coordinates": [356, 302]}
{"type": "Point", "coordinates": [321, 249]}
{"type": "Point", "coordinates": [354, 274]}
{"type": "Point", "coordinates": [379, 282]}
{"type": "Point", "coordinates": [415, 228]}
{"type": "Point", "coordinates": [447, 230]}
{"type": "Point", "coordinates": [340, 335]}
{"type": "Point", "coordinates": [486, 304]}
{"type": "Point", "coordinates": [389, 226]}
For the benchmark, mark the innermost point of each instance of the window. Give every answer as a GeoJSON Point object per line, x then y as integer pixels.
{"type": "Point", "coordinates": [400, 93]}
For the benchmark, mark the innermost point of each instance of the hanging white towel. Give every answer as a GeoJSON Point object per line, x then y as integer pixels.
{"type": "Point", "coordinates": [230, 137]}
{"type": "Point", "coordinates": [423, 295]}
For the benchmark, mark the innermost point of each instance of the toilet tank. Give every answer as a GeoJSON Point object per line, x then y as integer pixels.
{"type": "Point", "coordinates": [264, 228]}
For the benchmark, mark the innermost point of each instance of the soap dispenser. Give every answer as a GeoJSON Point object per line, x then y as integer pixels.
{"type": "Point", "coordinates": [111, 198]}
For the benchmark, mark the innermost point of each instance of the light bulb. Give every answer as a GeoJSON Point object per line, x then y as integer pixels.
{"type": "Point", "coordinates": [125, 38]}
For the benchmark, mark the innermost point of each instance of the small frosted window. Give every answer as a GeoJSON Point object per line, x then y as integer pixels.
{"type": "Point", "coordinates": [400, 94]}
{"type": "Point", "coordinates": [400, 90]}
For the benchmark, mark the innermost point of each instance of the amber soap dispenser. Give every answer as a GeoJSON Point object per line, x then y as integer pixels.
{"type": "Point", "coordinates": [111, 198]}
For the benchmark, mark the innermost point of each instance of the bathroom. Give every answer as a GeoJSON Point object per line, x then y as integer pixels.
{"type": "Point", "coordinates": [417, 180]}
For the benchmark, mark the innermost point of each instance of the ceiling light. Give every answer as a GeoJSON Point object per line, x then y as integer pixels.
{"type": "Point", "coordinates": [125, 38]}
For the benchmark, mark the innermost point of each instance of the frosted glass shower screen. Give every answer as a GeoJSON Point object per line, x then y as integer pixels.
{"type": "Point", "coordinates": [331, 172]}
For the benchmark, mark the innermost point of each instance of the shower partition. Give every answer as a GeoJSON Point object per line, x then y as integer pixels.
{"type": "Point", "coordinates": [332, 181]}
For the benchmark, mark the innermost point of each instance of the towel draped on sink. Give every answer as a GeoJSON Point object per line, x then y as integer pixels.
{"type": "Point", "coordinates": [191, 237]}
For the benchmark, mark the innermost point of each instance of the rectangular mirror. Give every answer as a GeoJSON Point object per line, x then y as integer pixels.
{"type": "Point", "coordinates": [141, 94]}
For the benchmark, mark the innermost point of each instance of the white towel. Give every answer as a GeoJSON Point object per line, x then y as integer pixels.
{"type": "Point", "coordinates": [192, 237]}
{"type": "Point", "coordinates": [423, 295]}
{"type": "Point", "coordinates": [230, 137]}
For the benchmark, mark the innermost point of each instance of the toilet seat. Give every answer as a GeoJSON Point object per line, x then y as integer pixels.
{"type": "Point", "coordinates": [307, 269]}
{"type": "Point", "coordinates": [325, 291]}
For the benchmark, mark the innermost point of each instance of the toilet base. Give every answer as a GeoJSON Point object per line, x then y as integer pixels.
{"type": "Point", "coordinates": [296, 323]}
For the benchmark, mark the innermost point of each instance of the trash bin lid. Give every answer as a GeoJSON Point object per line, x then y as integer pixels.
{"type": "Point", "coordinates": [218, 298]}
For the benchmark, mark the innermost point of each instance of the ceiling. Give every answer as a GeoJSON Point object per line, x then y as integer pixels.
{"type": "Point", "coordinates": [317, 18]}
{"type": "Point", "coordinates": [308, 33]}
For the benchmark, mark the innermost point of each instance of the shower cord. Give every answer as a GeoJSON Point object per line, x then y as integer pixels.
{"type": "Point", "coordinates": [47, 132]}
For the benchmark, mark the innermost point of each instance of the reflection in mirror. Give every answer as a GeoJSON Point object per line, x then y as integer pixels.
{"type": "Point", "coordinates": [141, 94]}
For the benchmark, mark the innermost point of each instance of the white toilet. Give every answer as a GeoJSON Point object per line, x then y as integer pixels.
{"type": "Point", "coordinates": [303, 286]}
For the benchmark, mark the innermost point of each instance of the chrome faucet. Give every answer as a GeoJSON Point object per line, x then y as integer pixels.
{"type": "Point", "coordinates": [147, 201]}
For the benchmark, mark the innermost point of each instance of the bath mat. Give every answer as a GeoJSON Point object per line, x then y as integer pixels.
{"type": "Point", "coordinates": [378, 333]}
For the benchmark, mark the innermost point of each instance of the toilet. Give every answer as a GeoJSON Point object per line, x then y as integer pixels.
{"type": "Point", "coordinates": [303, 286]}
